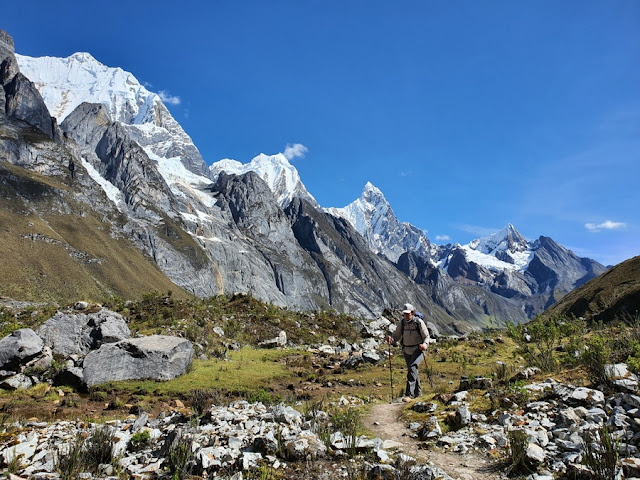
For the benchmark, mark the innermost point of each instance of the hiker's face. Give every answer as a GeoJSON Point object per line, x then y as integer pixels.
{"type": "Point", "coordinates": [407, 316]}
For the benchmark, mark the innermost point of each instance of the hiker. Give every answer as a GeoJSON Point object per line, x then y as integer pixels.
{"type": "Point", "coordinates": [414, 336]}
{"type": "Point", "coordinates": [72, 167]}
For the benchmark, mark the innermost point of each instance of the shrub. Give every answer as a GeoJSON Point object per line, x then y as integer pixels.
{"type": "Point", "coordinates": [600, 453]}
{"type": "Point", "coordinates": [69, 464]}
{"type": "Point", "coordinates": [538, 339]}
{"type": "Point", "coordinates": [518, 444]}
{"type": "Point", "coordinates": [139, 441]}
{"type": "Point", "coordinates": [200, 401]}
{"type": "Point", "coordinates": [180, 459]}
{"type": "Point", "coordinates": [596, 355]}
{"type": "Point", "coordinates": [99, 448]}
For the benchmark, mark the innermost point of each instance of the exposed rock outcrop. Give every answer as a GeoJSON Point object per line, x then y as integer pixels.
{"type": "Point", "coordinates": [157, 356]}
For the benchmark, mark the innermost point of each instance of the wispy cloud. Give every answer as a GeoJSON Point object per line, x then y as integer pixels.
{"type": "Point", "coordinates": [443, 238]}
{"type": "Point", "coordinates": [477, 229]}
{"type": "Point", "coordinates": [608, 225]}
{"type": "Point", "coordinates": [297, 150]}
{"type": "Point", "coordinates": [405, 173]}
{"type": "Point", "coordinates": [168, 98]}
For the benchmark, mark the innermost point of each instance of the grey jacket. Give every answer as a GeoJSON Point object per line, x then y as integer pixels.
{"type": "Point", "coordinates": [412, 333]}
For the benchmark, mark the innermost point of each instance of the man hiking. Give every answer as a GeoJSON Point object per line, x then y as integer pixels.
{"type": "Point", "coordinates": [414, 336]}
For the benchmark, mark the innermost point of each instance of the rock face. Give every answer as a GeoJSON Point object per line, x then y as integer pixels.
{"type": "Point", "coordinates": [158, 356]}
{"type": "Point", "coordinates": [18, 348]}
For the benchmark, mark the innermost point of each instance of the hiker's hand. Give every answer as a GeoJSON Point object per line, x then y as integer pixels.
{"type": "Point", "coordinates": [423, 347]}
{"type": "Point", "coordinates": [389, 339]}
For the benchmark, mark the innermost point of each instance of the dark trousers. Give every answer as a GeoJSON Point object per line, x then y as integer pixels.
{"type": "Point", "coordinates": [413, 361]}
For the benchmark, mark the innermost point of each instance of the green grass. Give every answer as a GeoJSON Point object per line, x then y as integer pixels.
{"type": "Point", "coordinates": [247, 370]}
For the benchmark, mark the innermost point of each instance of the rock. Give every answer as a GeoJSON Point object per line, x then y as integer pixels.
{"type": "Point", "coordinates": [23, 101]}
{"type": "Point", "coordinates": [17, 382]}
{"type": "Point", "coordinates": [72, 334]}
{"type": "Point", "coordinates": [535, 454]}
{"type": "Point", "coordinates": [480, 383]}
{"type": "Point", "coordinates": [159, 357]}
{"type": "Point", "coordinates": [81, 305]}
{"type": "Point", "coordinates": [307, 444]}
{"type": "Point", "coordinates": [463, 416]}
{"type": "Point", "coordinates": [250, 460]}
{"type": "Point", "coordinates": [370, 357]}
{"type": "Point", "coordinates": [430, 430]}
{"type": "Point", "coordinates": [18, 348]}
{"type": "Point", "coordinates": [70, 376]}
{"type": "Point", "coordinates": [352, 361]}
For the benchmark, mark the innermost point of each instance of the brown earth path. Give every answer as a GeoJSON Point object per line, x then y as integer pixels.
{"type": "Point", "coordinates": [384, 422]}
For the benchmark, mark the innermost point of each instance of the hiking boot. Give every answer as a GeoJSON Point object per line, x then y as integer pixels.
{"type": "Point", "coordinates": [406, 399]}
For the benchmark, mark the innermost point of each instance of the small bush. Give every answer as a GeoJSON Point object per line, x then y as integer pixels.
{"type": "Point", "coordinates": [139, 441]}
{"type": "Point", "coordinates": [99, 448]}
{"type": "Point", "coordinates": [600, 453]}
{"type": "Point", "coordinates": [201, 400]}
{"type": "Point", "coordinates": [518, 444]}
{"type": "Point", "coordinates": [180, 460]}
{"type": "Point", "coordinates": [70, 463]}
{"type": "Point", "coordinates": [540, 338]}
{"type": "Point", "coordinates": [596, 355]}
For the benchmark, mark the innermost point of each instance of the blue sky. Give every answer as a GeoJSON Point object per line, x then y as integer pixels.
{"type": "Point", "coordinates": [468, 115]}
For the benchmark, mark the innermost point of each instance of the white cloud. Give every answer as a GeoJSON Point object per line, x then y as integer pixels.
{"type": "Point", "coordinates": [608, 225]}
{"type": "Point", "coordinates": [477, 229]}
{"type": "Point", "coordinates": [167, 98]}
{"type": "Point", "coordinates": [443, 238]}
{"type": "Point", "coordinates": [297, 150]}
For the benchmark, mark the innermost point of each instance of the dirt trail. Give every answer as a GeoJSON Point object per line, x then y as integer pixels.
{"type": "Point", "coordinates": [384, 421]}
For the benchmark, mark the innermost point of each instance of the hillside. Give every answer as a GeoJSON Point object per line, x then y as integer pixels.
{"type": "Point", "coordinates": [56, 249]}
{"type": "Point", "coordinates": [614, 295]}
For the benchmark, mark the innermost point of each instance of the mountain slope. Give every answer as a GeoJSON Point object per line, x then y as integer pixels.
{"type": "Point", "coordinates": [57, 248]}
{"type": "Point", "coordinates": [613, 295]}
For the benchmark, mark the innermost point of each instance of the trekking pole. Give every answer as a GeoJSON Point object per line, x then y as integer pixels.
{"type": "Point", "coordinates": [390, 373]}
{"type": "Point", "coordinates": [428, 370]}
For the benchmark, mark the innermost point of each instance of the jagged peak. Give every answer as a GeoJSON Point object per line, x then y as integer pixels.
{"type": "Point", "coordinates": [370, 188]}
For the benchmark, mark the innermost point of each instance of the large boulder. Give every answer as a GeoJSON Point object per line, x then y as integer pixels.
{"type": "Point", "coordinates": [18, 348]}
{"type": "Point", "coordinates": [159, 357]}
{"type": "Point", "coordinates": [75, 334]}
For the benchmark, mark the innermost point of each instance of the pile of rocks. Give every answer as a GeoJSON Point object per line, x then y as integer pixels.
{"type": "Point", "coordinates": [234, 438]}
{"type": "Point", "coordinates": [88, 348]}
{"type": "Point", "coordinates": [558, 426]}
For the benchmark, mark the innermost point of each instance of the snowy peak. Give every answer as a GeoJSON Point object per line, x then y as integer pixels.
{"type": "Point", "coordinates": [507, 239]}
{"type": "Point", "coordinates": [281, 177]}
{"type": "Point", "coordinates": [504, 250]}
{"type": "Point", "coordinates": [66, 83]}
{"type": "Point", "coordinates": [371, 215]}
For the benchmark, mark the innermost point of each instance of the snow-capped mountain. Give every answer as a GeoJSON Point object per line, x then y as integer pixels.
{"type": "Point", "coordinates": [506, 249]}
{"type": "Point", "coordinates": [371, 215]}
{"type": "Point", "coordinates": [282, 177]}
{"type": "Point", "coordinates": [65, 83]}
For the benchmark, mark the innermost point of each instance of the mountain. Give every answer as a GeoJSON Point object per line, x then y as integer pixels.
{"type": "Point", "coordinates": [535, 274]}
{"type": "Point", "coordinates": [232, 228]}
{"type": "Point", "coordinates": [613, 295]}
{"type": "Point", "coordinates": [65, 83]}
{"type": "Point", "coordinates": [372, 216]}
{"type": "Point", "coordinates": [282, 177]}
